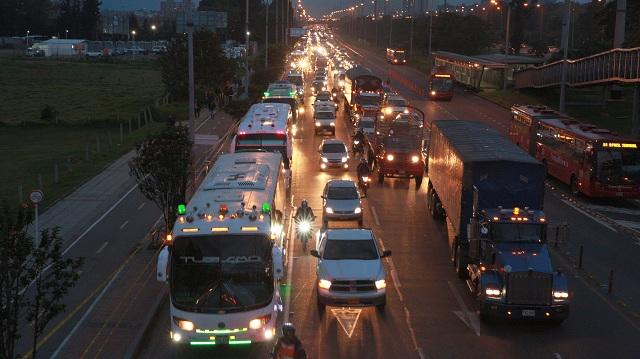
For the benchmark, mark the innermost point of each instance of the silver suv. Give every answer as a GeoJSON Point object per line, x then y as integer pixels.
{"type": "Point", "coordinates": [341, 202]}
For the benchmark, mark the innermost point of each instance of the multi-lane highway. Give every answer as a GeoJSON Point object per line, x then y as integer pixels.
{"type": "Point", "coordinates": [429, 313]}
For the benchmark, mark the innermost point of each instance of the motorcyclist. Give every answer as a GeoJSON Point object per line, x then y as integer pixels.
{"type": "Point", "coordinates": [334, 94]}
{"type": "Point", "coordinates": [304, 212]}
{"type": "Point", "coordinates": [358, 140]}
{"type": "Point", "coordinates": [288, 345]}
{"type": "Point", "coordinates": [363, 169]}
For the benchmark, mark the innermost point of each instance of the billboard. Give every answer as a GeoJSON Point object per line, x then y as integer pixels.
{"type": "Point", "coordinates": [202, 20]}
{"type": "Point", "coordinates": [297, 32]}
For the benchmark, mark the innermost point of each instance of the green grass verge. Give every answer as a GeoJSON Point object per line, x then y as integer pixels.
{"type": "Point", "coordinates": [34, 150]}
{"type": "Point", "coordinates": [81, 91]}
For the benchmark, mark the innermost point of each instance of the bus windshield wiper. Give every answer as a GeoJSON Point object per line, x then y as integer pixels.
{"type": "Point", "coordinates": [208, 292]}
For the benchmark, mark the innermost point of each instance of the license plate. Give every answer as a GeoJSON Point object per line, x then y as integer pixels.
{"type": "Point", "coordinates": [222, 340]}
{"type": "Point", "coordinates": [528, 313]}
{"type": "Point", "coordinates": [352, 301]}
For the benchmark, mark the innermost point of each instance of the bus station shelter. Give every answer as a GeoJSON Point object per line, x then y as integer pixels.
{"type": "Point", "coordinates": [483, 71]}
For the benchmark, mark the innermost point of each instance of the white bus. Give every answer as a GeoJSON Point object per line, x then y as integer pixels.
{"type": "Point", "coordinates": [266, 127]}
{"type": "Point", "coordinates": [223, 261]}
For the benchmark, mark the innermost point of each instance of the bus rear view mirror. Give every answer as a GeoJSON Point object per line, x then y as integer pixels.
{"type": "Point", "coordinates": [163, 262]}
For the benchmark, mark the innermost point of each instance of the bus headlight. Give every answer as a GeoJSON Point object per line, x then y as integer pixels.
{"type": "Point", "coordinates": [259, 322]}
{"type": "Point", "coordinates": [184, 324]}
{"type": "Point", "coordinates": [415, 159]}
{"type": "Point", "coordinates": [560, 295]}
{"type": "Point", "coordinates": [176, 337]}
{"type": "Point", "coordinates": [381, 284]}
{"type": "Point", "coordinates": [324, 284]}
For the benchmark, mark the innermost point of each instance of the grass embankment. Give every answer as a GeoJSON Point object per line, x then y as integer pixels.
{"type": "Point", "coordinates": [92, 99]}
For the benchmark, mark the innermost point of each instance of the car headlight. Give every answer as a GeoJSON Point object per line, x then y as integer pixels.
{"type": "Point", "coordinates": [388, 110]}
{"type": "Point", "coordinates": [325, 160]}
{"type": "Point", "coordinates": [390, 157]}
{"type": "Point", "coordinates": [433, 93]}
{"type": "Point", "coordinates": [340, 83]}
{"type": "Point", "coordinates": [324, 284]}
{"type": "Point", "coordinates": [332, 124]}
{"type": "Point", "coordinates": [344, 159]}
{"type": "Point", "coordinates": [381, 284]}
{"type": "Point", "coordinates": [357, 210]}
{"type": "Point", "coordinates": [560, 295]}
{"type": "Point", "coordinates": [318, 124]}
{"type": "Point", "coordinates": [415, 159]}
{"type": "Point", "coordinates": [324, 88]}
{"type": "Point", "coordinates": [492, 292]}
{"type": "Point", "coordinates": [329, 210]}
{"type": "Point", "coordinates": [183, 324]}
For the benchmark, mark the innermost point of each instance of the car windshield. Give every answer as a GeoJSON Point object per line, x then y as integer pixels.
{"type": "Point", "coordinates": [365, 124]}
{"type": "Point", "coordinates": [618, 166]}
{"type": "Point", "coordinates": [334, 148]}
{"type": "Point", "coordinates": [369, 100]}
{"type": "Point", "coordinates": [404, 144]}
{"type": "Point", "coordinates": [516, 232]}
{"type": "Point", "coordinates": [397, 103]}
{"type": "Point", "coordinates": [339, 192]}
{"type": "Point", "coordinates": [350, 249]}
{"type": "Point", "coordinates": [325, 115]}
{"type": "Point", "coordinates": [221, 273]}
{"type": "Point", "coordinates": [323, 97]}
{"type": "Point", "coordinates": [296, 80]}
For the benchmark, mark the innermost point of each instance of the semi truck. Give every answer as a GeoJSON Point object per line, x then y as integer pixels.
{"type": "Point", "coordinates": [491, 194]}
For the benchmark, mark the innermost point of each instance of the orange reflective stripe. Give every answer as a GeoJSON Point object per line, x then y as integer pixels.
{"type": "Point", "coordinates": [287, 351]}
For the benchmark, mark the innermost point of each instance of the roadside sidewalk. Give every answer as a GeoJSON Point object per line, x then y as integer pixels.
{"type": "Point", "coordinates": [115, 323]}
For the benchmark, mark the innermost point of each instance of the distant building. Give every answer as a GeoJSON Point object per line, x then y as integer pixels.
{"type": "Point", "coordinates": [63, 47]}
{"type": "Point", "coordinates": [213, 21]}
{"type": "Point", "coordinates": [169, 9]}
{"type": "Point", "coordinates": [115, 22]}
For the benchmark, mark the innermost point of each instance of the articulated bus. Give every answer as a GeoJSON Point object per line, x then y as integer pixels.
{"type": "Point", "coordinates": [593, 161]}
{"type": "Point", "coordinates": [223, 260]}
{"type": "Point", "coordinates": [267, 127]}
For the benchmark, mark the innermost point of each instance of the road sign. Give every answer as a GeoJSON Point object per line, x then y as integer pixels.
{"type": "Point", "coordinates": [36, 196]}
{"type": "Point", "coordinates": [347, 318]}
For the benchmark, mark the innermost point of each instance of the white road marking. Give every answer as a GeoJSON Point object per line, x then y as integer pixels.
{"type": "Point", "coordinates": [471, 317]}
{"type": "Point", "coordinates": [106, 213]}
{"type": "Point", "coordinates": [141, 205]}
{"type": "Point", "coordinates": [86, 314]}
{"type": "Point", "coordinates": [347, 318]}
{"type": "Point", "coordinates": [635, 212]}
{"type": "Point", "coordinates": [588, 215]}
{"type": "Point", "coordinates": [124, 224]}
{"type": "Point", "coordinates": [102, 247]}
{"type": "Point", "coordinates": [375, 215]}
{"type": "Point", "coordinates": [287, 301]}
{"type": "Point", "coordinates": [557, 355]}
{"type": "Point", "coordinates": [628, 224]}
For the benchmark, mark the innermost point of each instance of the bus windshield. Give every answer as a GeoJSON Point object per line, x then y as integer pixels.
{"type": "Point", "coordinates": [368, 100]}
{"type": "Point", "coordinates": [516, 232]}
{"type": "Point", "coordinates": [398, 55]}
{"type": "Point", "coordinates": [221, 273]}
{"type": "Point", "coordinates": [261, 139]}
{"type": "Point", "coordinates": [618, 166]}
{"type": "Point", "coordinates": [296, 80]}
{"type": "Point", "coordinates": [441, 84]}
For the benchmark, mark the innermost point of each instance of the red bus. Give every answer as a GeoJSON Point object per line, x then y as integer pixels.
{"type": "Point", "coordinates": [593, 161]}
{"type": "Point", "coordinates": [440, 85]}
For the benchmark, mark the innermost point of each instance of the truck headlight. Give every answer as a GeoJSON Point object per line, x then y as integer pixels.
{"type": "Point", "coordinates": [183, 324]}
{"type": "Point", "coordinates": [492, 292]}
{"type": "Point", "coordinates": [317, 123]}
{"type": "Point", "coordinates": [325, 160]}
{"type": "Point", "coordinates": [344, 159]}
{"type": "Point", "coordinates": [415, 159]}
{"type": "Point", "coordinates": [381, 284]}
{"type": "Point", "coordinates": [357, 210]}
{"type": "Point", "coordinates": [324, 284]}
{"type": "Point", "coordinates": [560, 295]}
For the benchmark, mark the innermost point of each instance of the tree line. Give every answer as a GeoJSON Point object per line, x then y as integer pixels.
{"type": "Point", "coordinates": [50, 17]}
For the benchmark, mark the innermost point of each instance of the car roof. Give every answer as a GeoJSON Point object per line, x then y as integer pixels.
{"type": "Point", "coordinates": [349, 234]}
{"type": "Point", "coordinates": [340, 183]}
{"type": "Point", "coordinates": [395, 97]}
{"type": "Point", "coordinates": [332, 140]}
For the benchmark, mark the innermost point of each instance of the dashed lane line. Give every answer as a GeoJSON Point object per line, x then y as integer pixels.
{"type": "Point", "coordinates": [375, 215]}
{"type": "Point", "coordinates": [124, 224]}
{"type": "Point", "coordinates": [141, 205]}
{"type": "Point", "coordinates": [102, 247]}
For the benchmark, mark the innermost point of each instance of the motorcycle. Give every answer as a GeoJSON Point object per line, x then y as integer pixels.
{"type": "Point", "coordinates": [364, 183]}
{"type": "Point", "coordinates": [304, 229]}
{"type": "Point", "coordinates": [358, 147]}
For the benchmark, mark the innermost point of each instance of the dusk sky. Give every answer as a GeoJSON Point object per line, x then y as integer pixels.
{"type": "Point", "coordinates": [315, 7]}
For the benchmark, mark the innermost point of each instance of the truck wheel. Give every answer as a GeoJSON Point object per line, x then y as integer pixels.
{"type": "Point", "coordinates": [461, 263]}
{"type": "Point", "coordinates": [381, 178]}
{"type": "Point", "coordinates": [418, 181]}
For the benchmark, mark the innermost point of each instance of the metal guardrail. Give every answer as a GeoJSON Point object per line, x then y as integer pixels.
{"type": "Point", "coordinates": [613, 66]}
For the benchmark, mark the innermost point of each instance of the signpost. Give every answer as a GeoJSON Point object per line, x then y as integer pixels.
{"type": "Point", "coordinates": [36, 196]}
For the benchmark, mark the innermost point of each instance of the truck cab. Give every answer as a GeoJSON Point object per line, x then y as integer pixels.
{"type": "Point", "coordinates": [510, 270]}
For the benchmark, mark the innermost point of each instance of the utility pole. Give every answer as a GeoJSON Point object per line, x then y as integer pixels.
{"type": "Point", "coordinates": [247, 33]}
{"type": "Point", "coordinates": [413, 14]}
{"type": "Point", "coordinates": [506, 46]}
{"type": "Point", "coordinates": [375, 18]}
{"type": "Point", "coordinates": [565, 46]}
{"type": "Point", "coordinates": [391, 28]}
{"type": "Point", "coordinates": [276, 24]}
{"type": "Point", "coordinates": [286, 36]}
{"type": "Point", "coordinates": [266, 35]}
{"type": "Point", "coordinates": [430, 27]}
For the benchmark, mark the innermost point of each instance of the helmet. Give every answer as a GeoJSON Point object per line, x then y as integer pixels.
{"type": "Point", "coordinates": [363, 160]}
{"type": "Point", "coordinates": [288, 330]}
{"type": "Point", "coordinates": [304, 203]}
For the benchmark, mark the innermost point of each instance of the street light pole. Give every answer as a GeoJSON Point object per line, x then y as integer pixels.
{"type": "Point", "coordinates": [246, 63]}
{"type": "Point", "coordinates": [430, 28]}
{"type": "Point", "coordinates": [266, 34]}
{"type": "Point", "coordinates": [375, 18]}
{"type": "Point", "coordinates": [506, 46]}
{"type": "Point", "coordinates": [286, 36]}
{"type": "Point", "coordinates": [413, 14]}
{"type": "Point", "coordinates": [192, 92]}
{"type": "Point", "coordinates": [66, 34]}
{"type": "Point", "coordinates": [565, 46]}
